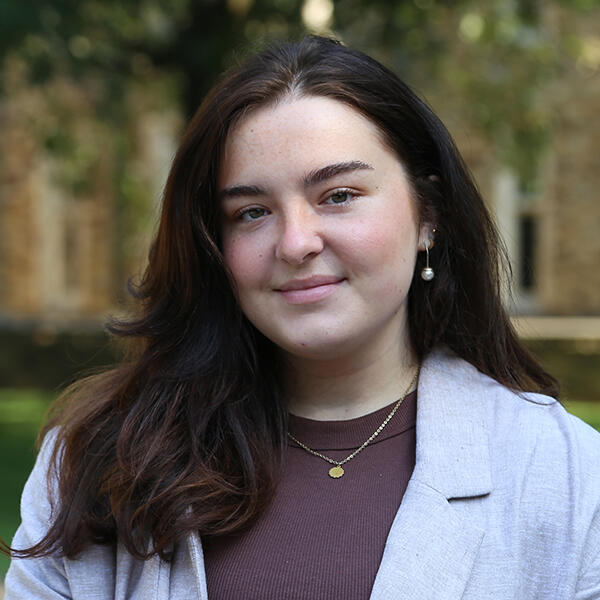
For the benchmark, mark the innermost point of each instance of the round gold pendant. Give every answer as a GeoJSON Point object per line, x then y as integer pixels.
{"type": "Point", "coordinates": [336, 472]}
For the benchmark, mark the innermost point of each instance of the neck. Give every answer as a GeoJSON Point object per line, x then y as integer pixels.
{"type": "Point", "coordinates": [349, 386]}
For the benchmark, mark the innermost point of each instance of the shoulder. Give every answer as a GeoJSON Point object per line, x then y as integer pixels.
{"type": "Point", "coordinates": [37, 577]}
{"type": "Point", "coordinates": [53, 575]}
{"type": "Point", "coordinates": [39, 498]}
{"type": "Point", "coordinates": [528, 434]}
{"type": "Point", "coordinates": [551, 457]}
{"type": "Point", "coordinates": [545, 465]}
{"type": "Point", "coordinates": [529, 422]}
{"type": "Point", "coordinates": [511, 414]}
{"type": "Point", "coordinates": [534, 466]}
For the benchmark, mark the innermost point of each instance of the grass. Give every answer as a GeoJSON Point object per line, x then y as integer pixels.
{"type": "Point", "coordinates": [21, 413]}
{"type": "Point", "coordinates": [574, 363]}
{"type": "Point", "coordinates": [586, 411]}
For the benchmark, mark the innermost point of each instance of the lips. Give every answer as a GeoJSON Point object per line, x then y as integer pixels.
{"type": "Point", "coordinates": [310, 289]}
{"type": "Point", "coordinates": [309, 282]}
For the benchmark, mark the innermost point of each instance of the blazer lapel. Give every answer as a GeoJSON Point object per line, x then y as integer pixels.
{"type": "Point", "coordinates": [431, 548]}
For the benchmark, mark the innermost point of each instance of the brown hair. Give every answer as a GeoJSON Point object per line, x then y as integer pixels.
{"type": "Point", "coordinates": [188, 435]}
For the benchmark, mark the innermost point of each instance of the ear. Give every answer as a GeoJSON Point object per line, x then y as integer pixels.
{"type": "Point", "coordinates": [426, 236]}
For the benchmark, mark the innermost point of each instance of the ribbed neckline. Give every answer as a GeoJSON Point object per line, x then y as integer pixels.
{"type": "Point", "coordinates": [348, 435]}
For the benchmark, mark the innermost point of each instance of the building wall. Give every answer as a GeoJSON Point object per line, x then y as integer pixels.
{"type": "Point", "coordinates": [569, 253]}
{"type": "Point", "coordinates": [66, 253]}
{"type": "Point", "coordinates": [564, 207]}
{"type": "Point", "coordinates": [60, 251]}
{"type": "Point", "coordinates": [56, 248]}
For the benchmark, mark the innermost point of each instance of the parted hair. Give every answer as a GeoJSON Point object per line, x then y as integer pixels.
{"type": "Point", "coordinates": [187, 433]}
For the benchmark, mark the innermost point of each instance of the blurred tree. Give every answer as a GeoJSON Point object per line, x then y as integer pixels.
{"type": "Point", "coordinates": [493, 54]}
{"type": "Point", "coordinates": [125, 40]}
{"type": "Point", "coordinates": [120, 60]}
{"type": "Point", "coordinates": [488, 60]}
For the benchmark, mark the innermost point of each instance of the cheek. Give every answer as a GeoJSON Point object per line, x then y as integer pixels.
{"type": "Point", "coordinates": [385, 243]}
{"type": "Point", "coordinates": [245, 263]}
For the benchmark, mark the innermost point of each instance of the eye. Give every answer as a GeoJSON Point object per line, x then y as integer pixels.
{"type": "Point", "coordinates": [339, 197]}
{"type": "Point", "coordinates": [252, 213]}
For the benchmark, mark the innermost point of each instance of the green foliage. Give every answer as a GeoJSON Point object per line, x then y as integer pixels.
{"type": "Point", "coordinates": [489, 59]}
{"type": "Point", "coordinates": [586, 411]}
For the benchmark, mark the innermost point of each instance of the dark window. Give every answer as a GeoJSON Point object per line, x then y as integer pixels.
{"type": "Point", "coordinates": [528, 236]}
{"type": "Point", "coordinates": [72, 269]}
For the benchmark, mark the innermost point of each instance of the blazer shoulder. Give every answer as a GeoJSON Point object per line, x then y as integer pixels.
{"type": "Point", "coordinates": [541, 441]}
{"type": "Point", "coordinates": [538, 412]}
{"type": "Point", "coordinates": [507, 414]}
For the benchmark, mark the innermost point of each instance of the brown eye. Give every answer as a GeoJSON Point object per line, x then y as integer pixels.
{"type": "Point", "coordinates": [339, 197]}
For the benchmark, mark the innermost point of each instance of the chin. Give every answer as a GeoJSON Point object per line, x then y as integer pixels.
{"type": "Point", "coordinates": [316, 348]}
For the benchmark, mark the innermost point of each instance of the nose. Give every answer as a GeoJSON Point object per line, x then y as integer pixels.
{"type": "Point", "coordinates": [300, 236]}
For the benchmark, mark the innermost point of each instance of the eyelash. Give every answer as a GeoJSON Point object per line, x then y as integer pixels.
{"type": "Point", "coordinates": [244, 214]}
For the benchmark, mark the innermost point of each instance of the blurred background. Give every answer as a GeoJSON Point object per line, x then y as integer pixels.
{"type": "Point", "coordinates": [94, 95]}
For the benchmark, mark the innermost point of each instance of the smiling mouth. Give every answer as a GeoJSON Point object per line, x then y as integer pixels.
{"type": "Point", "coordinates": [310, 290]}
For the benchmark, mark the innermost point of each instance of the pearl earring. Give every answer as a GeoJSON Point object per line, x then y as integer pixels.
{"type": "Point", "coordinates": [427, 273]}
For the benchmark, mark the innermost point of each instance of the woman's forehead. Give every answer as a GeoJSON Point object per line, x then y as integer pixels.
{"type": "Point", "coordinates": [307, 132]}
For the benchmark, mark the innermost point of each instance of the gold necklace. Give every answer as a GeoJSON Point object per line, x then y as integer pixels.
{"type": "Point", "coordinates": [337, 471]}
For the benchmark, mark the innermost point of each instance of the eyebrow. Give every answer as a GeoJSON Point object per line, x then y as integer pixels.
{"type": "Point", "coordinates": [312, 178]}
{"type": "Point", "coordinates": [330, 171]}
{"type": "Point", "coordinates": [237, 191]}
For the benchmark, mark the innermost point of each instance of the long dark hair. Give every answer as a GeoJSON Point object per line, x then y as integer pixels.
{"type": "Point", "coordinates": [188, 434]}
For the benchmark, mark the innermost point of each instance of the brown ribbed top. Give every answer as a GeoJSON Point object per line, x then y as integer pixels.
{"type": "Point", "coordinates": [321, 538]}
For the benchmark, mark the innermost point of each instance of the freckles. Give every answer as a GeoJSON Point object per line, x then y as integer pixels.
{"type": "Point", "coordinates": [394, 289]}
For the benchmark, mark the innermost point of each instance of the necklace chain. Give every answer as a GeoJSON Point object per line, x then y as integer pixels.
{"type": "Point", "coordinates": [337, 471]}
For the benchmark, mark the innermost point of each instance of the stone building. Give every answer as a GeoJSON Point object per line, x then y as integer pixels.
{"type": "Point", "coordinates": [568, 210]}
{"type": "Point", "coordinates": [551, 233]}
{"type": "Point", "coordinates": [65, 254]}
{"type": "Point", "coordinates": [67, 249]}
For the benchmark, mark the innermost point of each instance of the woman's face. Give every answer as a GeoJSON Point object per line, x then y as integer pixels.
{"type": "Point", "coordinates": [319, 228]}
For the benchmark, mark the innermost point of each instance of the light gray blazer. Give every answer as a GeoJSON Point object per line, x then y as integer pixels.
{"type": "Point", "coordinates": [503, 504]}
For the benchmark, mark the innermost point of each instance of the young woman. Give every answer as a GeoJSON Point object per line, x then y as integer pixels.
{"type": "Point", "coordinates": [327, 399]}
